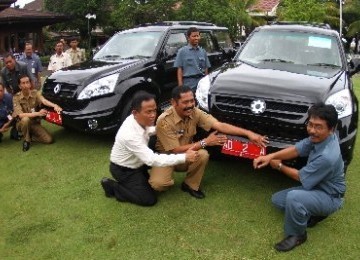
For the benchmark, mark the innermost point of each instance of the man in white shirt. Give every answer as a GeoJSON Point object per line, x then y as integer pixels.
{"type": "Point", "coordinates": [130, 154]}
{"type": "Point", "coordinates": [60, 59]}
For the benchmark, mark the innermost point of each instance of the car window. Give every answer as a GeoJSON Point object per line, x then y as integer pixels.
{"type": "Point", "coordinates": [223, 39]}
{"type": "Point", "coordinates": [175, 42]}
{"type": "Point", "coordinates": [206, 42]}
{"type": "Point", "coordinates": [293, 47]}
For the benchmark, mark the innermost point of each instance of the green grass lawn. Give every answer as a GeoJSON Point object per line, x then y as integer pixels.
{"type": "Point", "coordinates": [53, 207]}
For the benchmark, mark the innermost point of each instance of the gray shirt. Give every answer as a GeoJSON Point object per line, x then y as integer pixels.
{"type": "Point", "coordinates": [325, 168]}
{"type": "Point", "coordinates": [192, 60]}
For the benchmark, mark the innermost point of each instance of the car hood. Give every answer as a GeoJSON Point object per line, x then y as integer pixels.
{"type": "Point", "coordinates": [244, 79]}
{"type": "Point", "coordinates": [86, 72]}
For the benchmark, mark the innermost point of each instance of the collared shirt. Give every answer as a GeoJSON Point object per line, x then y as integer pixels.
{"type": "Point", "coordinates": [172, 131]}
{"type": "Point", "coordinates": [28, 104]}
{"type": "Point", "coordinates": [192, 60]}
{"type": "Point", "coordinates": [77, 55]}
{"type": "Point", "coordinates": [131, 147]}
{"type": "Point", "coordinates": [10, 78]}
{"type": "Point", "coordinates": [325, 167]}
{"type": "Point", "coordinates": [33, 63]}
{"type": "Point", "coordinates": [58, 62]}
{"type": "Point", "coordinates": [6, 108]}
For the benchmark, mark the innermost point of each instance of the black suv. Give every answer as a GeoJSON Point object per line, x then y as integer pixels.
{"type": "Point", "coordinates": [279, 72]}
{"type": "Point", "coordinates": [96, 95]}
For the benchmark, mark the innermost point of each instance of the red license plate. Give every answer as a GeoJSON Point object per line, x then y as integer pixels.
{"type": "Point", "coordinates": [242, 149]}
{"type": "Point", "coordinates": [54, 117]}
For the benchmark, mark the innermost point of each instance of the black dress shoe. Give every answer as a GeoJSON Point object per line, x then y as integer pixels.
{"type": "Point", "coordinates": [195, 193]}
{"type": "Point", "coordinates": [26, 146]}
{"type": "Point", "coordinates": [107, 184]}
{"type": "Point", "coordinates": [290, 242]}
{"type": "Point", "coordinates": [313, 220]}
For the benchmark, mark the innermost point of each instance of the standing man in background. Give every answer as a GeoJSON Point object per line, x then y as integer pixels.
{"type": "Point", "coordinates": [12, 71]}
{"type": "Point", "coordinates": [191, 61]}
{"type": "Point", "coordinates": [77, 55]}
{"type": "Point", "coordinates": [33, 63]}
{"type": "Point", "coordinates": [60, 59]}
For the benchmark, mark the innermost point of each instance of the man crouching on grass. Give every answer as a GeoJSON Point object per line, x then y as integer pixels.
{"type": "Point", "coordinates": [26, 102]}
{"type": "Point", "coordinates": [322, 178]}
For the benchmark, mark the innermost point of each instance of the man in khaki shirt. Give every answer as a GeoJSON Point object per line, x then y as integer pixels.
{"type": "Point", "coordinates": [77, 55]}
{"type": "Point", "coordinates": [175, 130]}
{"type": "Point", "coordinates": [26, 102]}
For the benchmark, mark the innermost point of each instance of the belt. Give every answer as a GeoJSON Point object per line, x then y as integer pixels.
{"type": "Point", "coordinates": [194, 76]}
{"type": "Point", "coordinates": [337, 196]}
{"type": "Point", "coordinates": [123, 168]}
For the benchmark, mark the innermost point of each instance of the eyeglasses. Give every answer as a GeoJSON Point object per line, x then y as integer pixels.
{"type": "Point", "coordinates": [316, 127]}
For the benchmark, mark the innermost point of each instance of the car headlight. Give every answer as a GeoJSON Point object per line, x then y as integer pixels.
{"type": "Point", "coordinates": [99, 87]}
{"type": "Point", "coordinates": [202, 92]}
{"type": "Point", "coordinates": [342, 102]}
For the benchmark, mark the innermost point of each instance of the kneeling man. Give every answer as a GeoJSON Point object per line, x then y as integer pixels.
{"type": "Point", "coordinates": [27, 103]}
{"type": "Point", "coordinates": [322, 178]}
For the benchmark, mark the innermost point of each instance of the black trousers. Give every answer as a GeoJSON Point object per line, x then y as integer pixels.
{"type": "Point", "coordinates": [132, 185]}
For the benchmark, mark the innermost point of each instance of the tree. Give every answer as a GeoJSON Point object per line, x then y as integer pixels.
{"type": "Point", "coordinates": [302, 10]}
{"type": "Point", "coordinates": [77, 10]}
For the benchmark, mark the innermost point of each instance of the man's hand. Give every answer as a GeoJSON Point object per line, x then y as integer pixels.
{"type": "Point", "coordinates": [261, 161]}
{"type": "Point", "coordinates": [57, 108]}
{"type": "Point", "coordinates": [191, 155]}
{"type": "Point", "coordinates": [257, 139]}
{"type": "Point", "coordinates": [215, 139]}
{"type": "Point", "coordinates": [42, 112]}
{"type": "Point", "coordinates": [4, 128]}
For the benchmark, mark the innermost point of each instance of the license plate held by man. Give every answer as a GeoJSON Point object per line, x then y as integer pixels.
{"type": "Point", "coordinates": [243, 148]}
{"type": "Point", "coordinates": [54, 117]}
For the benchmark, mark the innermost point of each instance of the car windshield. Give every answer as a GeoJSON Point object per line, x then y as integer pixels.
{"type": "Point", "coordinates": [129, 46]}
{"type": "Point", "coordinates": [289, 47]}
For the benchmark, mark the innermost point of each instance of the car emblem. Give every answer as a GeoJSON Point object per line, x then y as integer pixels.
{"type": "Point", "coordinates": [258, 106]}
{"type": "Point", "coordinates": [57, 88]}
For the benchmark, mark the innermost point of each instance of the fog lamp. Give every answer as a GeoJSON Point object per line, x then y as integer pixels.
{"type": "Point", "coordinates": [93, 123]}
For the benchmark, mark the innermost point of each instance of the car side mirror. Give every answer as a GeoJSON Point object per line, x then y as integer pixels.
{"type": "Point", "coordinates": [354, 65]}
{"type": "Point", "coordinates": [170, 52]}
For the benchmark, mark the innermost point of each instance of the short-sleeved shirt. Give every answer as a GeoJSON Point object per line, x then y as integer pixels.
{"type": "Point", "coordinates": [77, 55]}
{"type": "Point", "coordinates": [325, 167]}
{"type": "Point", "coordinates": [34, 64]}
{"type": "Point", "coordinates": [28, 104]}
{"type": "Point", "coordinates": [11, 78]}
{"type": "Point", "coordinates": [172, 131]}
{"type": "Point", "coordinates": [58, 62]}
{"type": "Point", "coordinates": [193, 61]}
{"type": "Point", "coordinates": [6, 108]}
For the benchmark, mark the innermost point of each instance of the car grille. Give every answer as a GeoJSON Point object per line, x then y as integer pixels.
{"type": "Point", "coordinates": [66, 97]}
{"type": "Point", "coordinates": [282, 121]}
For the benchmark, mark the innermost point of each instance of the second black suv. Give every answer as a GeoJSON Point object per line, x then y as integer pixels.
{"type": "Point", "coordinates": [96, 95]}
{"type": "Point", "coordinates": [279, 72]}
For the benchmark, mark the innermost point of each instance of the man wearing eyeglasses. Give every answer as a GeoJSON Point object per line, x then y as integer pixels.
{"type": "Point", "coordinates": [322, 178]}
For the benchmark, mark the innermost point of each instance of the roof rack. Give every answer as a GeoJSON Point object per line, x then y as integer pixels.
{"type": "Point", "coordinates": [169, 23]}
{"type": "Point", "coordinates": [319, 25]}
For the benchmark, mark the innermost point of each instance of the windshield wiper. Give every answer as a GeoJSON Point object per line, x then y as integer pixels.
{"type": "Point", "coordinates": [277, 60]}
{"type": "Point", "coordinates": [324, 65]}
{"type": "Point", "coordinates": [108, 57]}
{"type": "Point", "coordinates": [135, 57]}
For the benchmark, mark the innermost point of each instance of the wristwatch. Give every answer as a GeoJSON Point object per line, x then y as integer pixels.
{"type": "Point", "coordinates": [280, 165]}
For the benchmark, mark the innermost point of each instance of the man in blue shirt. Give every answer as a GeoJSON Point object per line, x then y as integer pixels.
{"type": "Point", "coordinates": [6, 109]}
{"type": "Point", "coordinates": [191, 61]}
{"type": "Point", "coordinates": [33, 63]}
{"type": "Point", "coordinates": [322, 178]}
